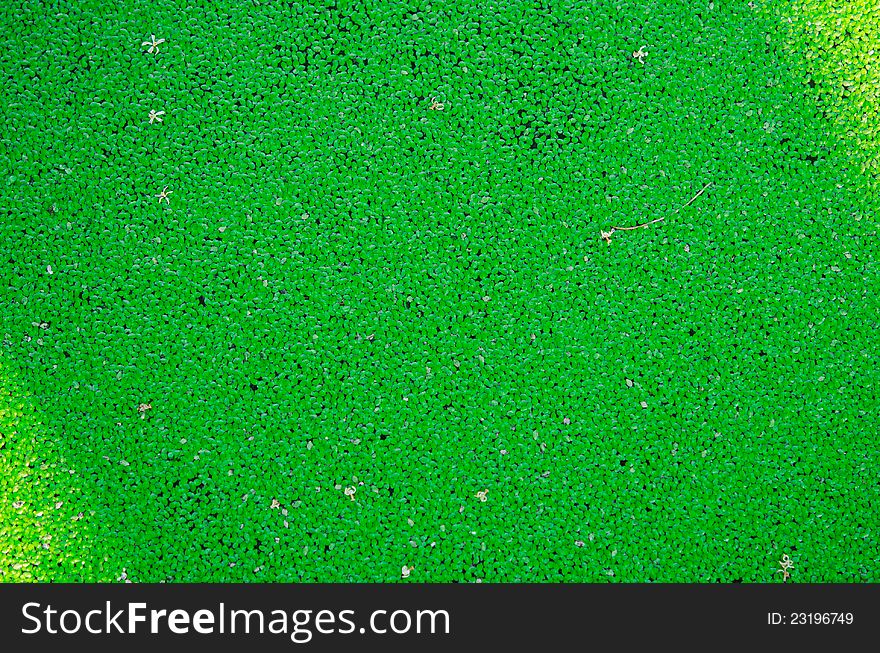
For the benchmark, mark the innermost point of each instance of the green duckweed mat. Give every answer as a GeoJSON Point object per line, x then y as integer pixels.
{"type": "Point", "coordinates": [298, 292]}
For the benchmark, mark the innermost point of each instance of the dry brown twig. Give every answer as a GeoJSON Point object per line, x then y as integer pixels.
{"type": "Point", "coordinates": [606, 235]}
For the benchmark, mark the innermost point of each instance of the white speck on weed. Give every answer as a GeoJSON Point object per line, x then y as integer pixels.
{"type": "Point", "coordinates": [154, 44]}
{"type": "Point", "coordinates": [640, 54]}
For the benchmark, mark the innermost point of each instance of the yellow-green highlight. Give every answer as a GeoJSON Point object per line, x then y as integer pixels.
{"type": "Point", "coordinates": [835, 46]}
{"type": "Point", "coordinates": [46, 531]}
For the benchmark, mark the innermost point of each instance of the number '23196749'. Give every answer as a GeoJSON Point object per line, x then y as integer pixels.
{"type": "Point", "coordinates": [809, 618]}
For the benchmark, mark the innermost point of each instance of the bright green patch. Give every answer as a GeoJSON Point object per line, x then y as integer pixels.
{"type": "Point", "coordinates": [376, 325]}
{"type": "Point", "coordinates": [836, 46]}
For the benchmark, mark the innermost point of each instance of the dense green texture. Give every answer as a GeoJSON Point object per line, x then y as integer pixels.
{"type": "Point", "coordinates": [349, 288]}
{"type": "Point", "coordinates": [837, 47]}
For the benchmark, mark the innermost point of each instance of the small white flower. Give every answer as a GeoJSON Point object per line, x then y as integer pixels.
{"type": "Point", "coordinates": [640, 54]}
{"type": "Point", "coordinates": [406, 571]}
{"type": "Point", "coordinates": [164, 195]}
{"type": "Point", "coordinates": [156, 116]}
{"type": "Point", "coordinates": [786, 563]}
{"type": "Point", "coordinates": [154, 44]}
